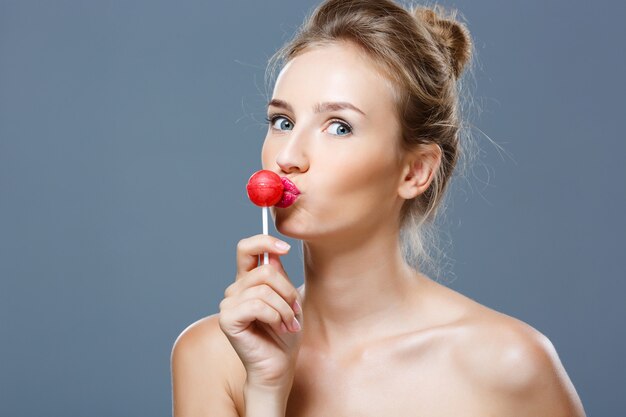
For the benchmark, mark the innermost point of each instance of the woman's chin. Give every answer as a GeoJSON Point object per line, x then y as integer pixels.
{"type": "Point", "coordinates": [286, 225]}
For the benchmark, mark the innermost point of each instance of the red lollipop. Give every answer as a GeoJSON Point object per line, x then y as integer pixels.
{"type": "Point", "coordinates": [265, 188]}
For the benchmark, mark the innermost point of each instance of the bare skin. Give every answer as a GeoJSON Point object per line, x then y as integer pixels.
{"type": "Point", "coordinates": [468, 361]}
{"type": "Point", "coordinates": [378, 338]}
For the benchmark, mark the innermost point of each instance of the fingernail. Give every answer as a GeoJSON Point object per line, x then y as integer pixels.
{"type": "Point", "coordinates": [282, 245]}
{"type": "Point", "coordinates": [296, 307]}
{"type": "Point", "coordinates": [295, 325]}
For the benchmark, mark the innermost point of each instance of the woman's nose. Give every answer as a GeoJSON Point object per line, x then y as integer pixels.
{"type": "Point", "coordinates": [294, 155]}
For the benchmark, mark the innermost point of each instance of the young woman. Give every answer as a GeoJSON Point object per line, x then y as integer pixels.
{"type": "Point", "coordinates": [364, 120]}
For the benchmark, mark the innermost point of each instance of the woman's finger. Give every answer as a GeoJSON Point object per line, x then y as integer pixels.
{"type": "Point", "coordinates": [249, 249]}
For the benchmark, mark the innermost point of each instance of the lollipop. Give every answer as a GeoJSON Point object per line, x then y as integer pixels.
{"type": "Point", "coordinates": [266, 188]}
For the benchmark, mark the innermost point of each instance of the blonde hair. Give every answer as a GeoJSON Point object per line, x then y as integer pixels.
{"type": "Point", "coordinates": [423, 52]}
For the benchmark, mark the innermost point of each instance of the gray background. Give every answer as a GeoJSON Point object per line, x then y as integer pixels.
{"type": "Point", "coordinates": [128, 131]}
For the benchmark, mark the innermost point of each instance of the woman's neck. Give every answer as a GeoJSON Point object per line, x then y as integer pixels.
{"type": "Point", "coordinates": [356, 290]}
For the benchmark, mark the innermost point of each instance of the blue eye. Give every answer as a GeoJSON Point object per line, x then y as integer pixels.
{"type": "Point", "coordinates": [286, 123]}
{"type": "Point", "coordinates": [343, 128]}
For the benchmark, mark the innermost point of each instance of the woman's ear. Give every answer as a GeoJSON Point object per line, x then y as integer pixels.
{"type": "Point", "coordinates": [420, 167]}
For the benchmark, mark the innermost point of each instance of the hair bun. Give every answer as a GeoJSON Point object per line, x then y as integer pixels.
{"type": "Point", "coordinates": [452, 38]}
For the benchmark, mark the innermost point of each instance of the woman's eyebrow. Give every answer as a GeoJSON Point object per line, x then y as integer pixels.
{"type": "Point", "coordinates": [318, 108]}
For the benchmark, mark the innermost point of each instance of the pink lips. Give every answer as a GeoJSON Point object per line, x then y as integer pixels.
{"type": "Point", "coordinates": [290, 193]}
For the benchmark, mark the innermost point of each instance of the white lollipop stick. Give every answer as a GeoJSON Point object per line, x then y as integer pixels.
{"type": "Point", "coordinates": [266, 259]}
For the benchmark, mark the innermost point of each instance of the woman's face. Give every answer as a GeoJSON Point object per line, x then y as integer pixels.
{"type": "Point", "coordinates": [343, 160]}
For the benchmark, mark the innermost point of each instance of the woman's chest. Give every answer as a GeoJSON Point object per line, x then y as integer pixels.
{"type": "Point", "coordinates": [396, 382]}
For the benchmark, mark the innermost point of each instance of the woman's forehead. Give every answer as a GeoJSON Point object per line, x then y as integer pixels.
{"type": "Point", "coordinates": [334, 72]}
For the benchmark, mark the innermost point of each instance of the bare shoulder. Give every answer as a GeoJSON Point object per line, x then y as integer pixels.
{"type": "Point", "coordinates": [515, 364]}
{"type": "Point", "coordinates": [203, 335]}
{"type": "Point", "coordinates": [204, 367]}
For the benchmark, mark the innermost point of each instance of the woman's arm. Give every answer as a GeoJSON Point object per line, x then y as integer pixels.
{"type": "Point", "coordinates": [547, 389]}
{"type": "Point", "coordinates": [198, 366]}
{"type": "Point", "coordinates": [264, 403]}
{"type": "Point", "coordinates": [521, 373]}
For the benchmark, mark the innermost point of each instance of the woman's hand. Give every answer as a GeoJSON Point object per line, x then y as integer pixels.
{"type": "Point", "coordinates": [257, 315]}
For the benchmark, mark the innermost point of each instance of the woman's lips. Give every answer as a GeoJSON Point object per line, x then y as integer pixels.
{"type": "Point", "coordinates": [289, 185]}
{"type": "Point", "coordinates": [290, 193]}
